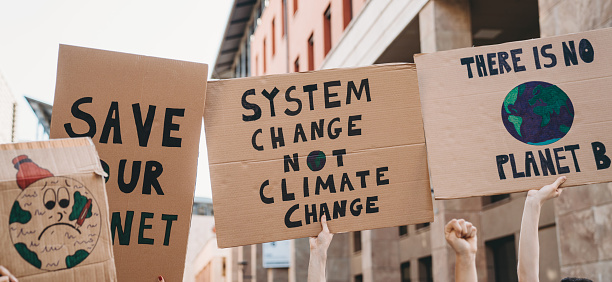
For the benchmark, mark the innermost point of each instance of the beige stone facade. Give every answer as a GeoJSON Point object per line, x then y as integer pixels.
{"type": "Point", "coordinates": [8, 107]}
{"type": "Point", "coordinates": [575, 230]}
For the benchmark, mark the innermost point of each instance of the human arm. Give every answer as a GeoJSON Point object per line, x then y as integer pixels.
{"type": "Point", "coordinates": [318, 253]}
{"type": "Point", "coordinates": [461, 235]}
{"type": "Point", "coordinates": [6, 276]}
{"type": "Point", "coordinates": [529, 244]}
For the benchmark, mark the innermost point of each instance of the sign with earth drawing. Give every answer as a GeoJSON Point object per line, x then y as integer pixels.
{"type": "Point", "coordinates": [513, 117]}
{"type": "Point", "coordinates": [285, 150]}
{"type": "Point", "coordinates": [56, 211]}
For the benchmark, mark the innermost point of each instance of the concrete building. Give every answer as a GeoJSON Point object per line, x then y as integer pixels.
{"type": "Point", "coordinates": [8, 114]}
{"type": "Point", "coordinates": [278, 36]}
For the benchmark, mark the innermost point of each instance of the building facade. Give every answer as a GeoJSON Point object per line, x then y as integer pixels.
{"type": "Point", "coordinates": [279, 36]}
{"type": "Point", "coordinates": [8, 114]}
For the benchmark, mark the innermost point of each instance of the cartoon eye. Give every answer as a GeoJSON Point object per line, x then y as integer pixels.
{"type": "Point", "coordinates": [49, 199]}
{"type": "Point", "coordinates": [63, 198]}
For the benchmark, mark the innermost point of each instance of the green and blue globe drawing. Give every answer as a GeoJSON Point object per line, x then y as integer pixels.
{"type": "Point", "coordinates": [537, 113]}
{"type": "Point", "coordinates": [316, 160]}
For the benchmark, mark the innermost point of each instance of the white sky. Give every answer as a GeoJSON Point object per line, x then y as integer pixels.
{"type": "Point", "coordinates": [31, 31]}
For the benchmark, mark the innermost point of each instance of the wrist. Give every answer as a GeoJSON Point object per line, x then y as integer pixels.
{"type": "Point", "coordinates": [316, 253]}
{"type": "Point", "coordinates": [466, 256]}
{"type": "Point", "coordinates": [534, 201]}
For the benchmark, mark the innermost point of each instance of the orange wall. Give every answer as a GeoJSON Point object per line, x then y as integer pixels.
{"type": "Point", "coordinates": [307, 20]}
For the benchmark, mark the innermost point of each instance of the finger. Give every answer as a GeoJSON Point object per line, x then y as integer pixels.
{"type": "Point", "coordinates": [160, 279]}
{"type": "Point", "coordinates": [4, 279]}
{"type": "Point", "coordinates": [559, 181]}
{"type": "Point", "coordinates": [473, 233]}
{"type": "Point", "coordinates": [449, 226]}
{"type": "Point", "coordinates": [463, 227]}
{"type": "Point", "coordinates": [4, 271]}
{"type": "Point", "coordinates": [324, 224]}
{"type": "Point", "coordinates": [457, 228]}
{"type": "Point", "coordinates": [468, 229]}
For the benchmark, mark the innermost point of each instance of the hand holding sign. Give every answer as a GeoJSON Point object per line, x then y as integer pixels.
{"type": "Point", "coordinates": [6, 276]}
{"type": "Point", "coordinates": [318, 253]}
{"type": "Point", "coordinates": [547, 192]}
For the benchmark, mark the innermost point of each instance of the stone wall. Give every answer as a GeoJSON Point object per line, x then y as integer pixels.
{"type": "Point", "coordinates": [583, 214]}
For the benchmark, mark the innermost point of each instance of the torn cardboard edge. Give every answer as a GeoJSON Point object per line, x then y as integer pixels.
{"type": "Point", "coordinates": [90, 165]}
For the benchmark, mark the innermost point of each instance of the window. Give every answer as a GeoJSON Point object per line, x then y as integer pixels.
{"type": "Point", "coordinates": [295, 6]}
{"type": "Point", "coordinates": [327, 30]}
{"type": "Point", "coordinates": [347, 11]}
{"type": "Point", "coordinates": [425, 269]}
{"type": "Point", "coordinates": [493, 199]}
{"type": "Point", "coordinates": [356, 241]}
{"type": "Point", "coordinates": [273, 37]}
{"type": "Point", "coordinates": [311, 53]}
{"type": "Point", "coordinates": [403, 230]}
{"type": "Point", "coordinates": [501, 259]}
{"type": "Point", "coordinates": [296, 65]}
{"type": "Point", "coordinates": [405, 271]}
{"type": "Point", "coordinates": [247, 53]}
{"type": "Point", "coordinates": [263, 58]}
{"type": "Point", "coordinates": [422, 225]}
{"type": "Point", "coordinates": [358, 278]}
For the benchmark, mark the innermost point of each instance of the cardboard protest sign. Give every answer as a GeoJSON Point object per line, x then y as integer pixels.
{"type": "Point", "coordinates": [145, 115]}
{"type": "Point", "coordinates": [286, 149]}
{"type": "Point", "coordinates": [513, 117]}
{"type": "Point", "coordinates": [54, 212]}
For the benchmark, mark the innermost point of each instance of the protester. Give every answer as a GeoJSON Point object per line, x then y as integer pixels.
{"type": "Point", "coordinates": [529, 244]}
{"type": "Point", "coordinates": [461, 235]}
{"type": "Point", "coordinates": [6, 276]}
{"type": "Point", "coordinates": [318, 253]}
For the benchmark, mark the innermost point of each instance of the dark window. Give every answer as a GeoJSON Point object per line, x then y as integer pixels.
{"type": "Point", "coordinates": [327, 30]}
{"type": "Point", "coordinates": [359, 278]}
{"type": "Point", "coordinates": [311, 52]}
{"type": "Point", "coordinates": [493, 199]}
{"type": "Point", "coordinates": [295, 6]}
{"type": "Point", "coordinates": [247, 53]}
{"type": "Point", "coordinates": [403, 230]}
{"type": "Point", "coordinates": [347, 11]}
{"type": "Point", "coordinates": [501, 259]}
{"type": "Point", "coordinates": [405, 271]}
{"type": "Point", "coordinates": [356, 241]}
{"type": "Point", "coordinates": [425, 269]}
{"type": "Point", "coordinates": [422, 225]}
{"type": "Point", "coordinates": [296, 65]}
{"type": "Point", "coordinates": [273, 37]}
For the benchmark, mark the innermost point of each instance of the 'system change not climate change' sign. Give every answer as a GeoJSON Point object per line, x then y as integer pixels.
{"type": "Point", "coordinates": [144, 115]}
{"type": "Point", "coordinates": [515, 116]}
{"type": "Point", "coordinates": [285, 150]}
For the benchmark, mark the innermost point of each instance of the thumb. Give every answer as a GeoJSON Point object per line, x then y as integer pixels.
{"type": "Point", "coordinates": [559, 181]}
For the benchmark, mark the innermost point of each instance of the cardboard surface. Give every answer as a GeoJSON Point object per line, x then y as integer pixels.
{"type": "Point", "coordinates": [54, 212]}
{"type": "Point", "coordinates": [494, 127]}
{"type": "Point", "coordinates": [366, 166]}
{"type": "Point", "coordinates": [144, 114]}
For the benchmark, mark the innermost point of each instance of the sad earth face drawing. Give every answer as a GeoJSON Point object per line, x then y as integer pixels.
{"type": "Point", "coordinates": [55, 221]}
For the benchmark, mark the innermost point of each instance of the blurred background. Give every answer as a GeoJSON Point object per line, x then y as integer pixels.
{"type": "Point", "coordinates": [240, 38]}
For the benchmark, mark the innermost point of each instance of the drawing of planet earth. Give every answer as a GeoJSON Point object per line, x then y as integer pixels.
{"type": "Point", "coordinates": [55, 221]}
{"type": "Point", "coordinates": [537, 113]}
